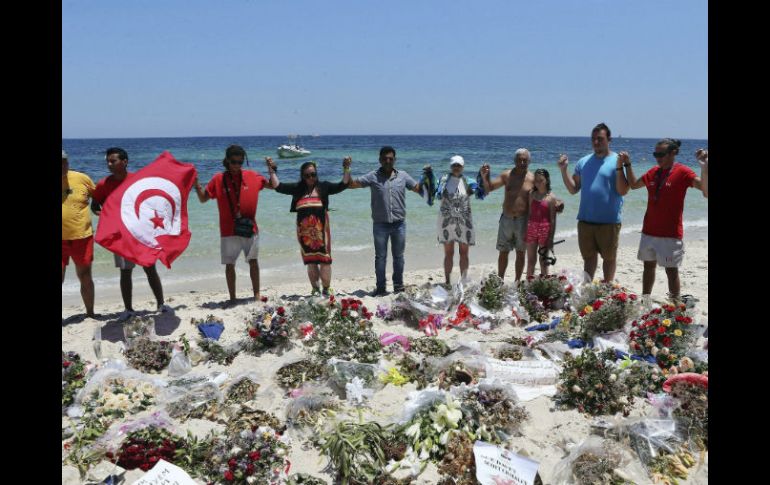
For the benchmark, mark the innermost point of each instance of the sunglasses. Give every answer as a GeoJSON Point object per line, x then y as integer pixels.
{"type": "Point", "coordinates": [310, 175]}
{"type": "Point", "coordinates": [659, 154]}
{"type": "Point", "coordinates": [236, 162]}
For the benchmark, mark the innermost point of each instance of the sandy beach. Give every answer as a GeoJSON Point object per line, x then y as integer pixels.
{"type": "Point", "coordinates": [546, 435]}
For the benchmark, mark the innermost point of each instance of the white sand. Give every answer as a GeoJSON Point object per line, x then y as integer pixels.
{"type": "Point", "coordinates": [545, 434]}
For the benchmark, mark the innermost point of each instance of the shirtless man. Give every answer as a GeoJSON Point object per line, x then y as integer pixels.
{"type": "Point", "coordinates": [518, 183]}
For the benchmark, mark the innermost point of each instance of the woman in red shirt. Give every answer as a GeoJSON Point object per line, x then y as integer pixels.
{"type": "Point", "coordinates": [667, 184]}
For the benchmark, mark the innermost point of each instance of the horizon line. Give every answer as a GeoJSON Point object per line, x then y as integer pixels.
{"type": "Point", "coordinates": [371, 134]}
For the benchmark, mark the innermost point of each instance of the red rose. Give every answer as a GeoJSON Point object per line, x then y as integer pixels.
{"type": "Point", "coordinates": [281, 310]}
{"type": "Point", "coordinates": [622, 297]}
{"type": "Point", "coordinates": [281, 320]}
{"type": "Point", "coordinates": [582, 313]}
{"type": "Point", "coordinates": [363, 309]}
{"type": "Point", "coordinates": [562, 278]}
{"type": "Point", "coordinates": [253, 332]}
{"type": "Point", "coordinates": [229, 476]}
{"type": "Point", "coordinates": [109, 454]}
{"type": "Point", "coordinates": [331, 298]}
{"type": "Point", "coordinates": [144, 466]}
{"type": "Point", "coordinates": [679, 318]}
{"type": "Point", "coordinates": [263, 299]}
{"type": "Point", "coordinates": [66, 364]}
{"type": "Point", "coordinates": [249, 469]}
{"type": "Point", "coordinates": [657, 311]}
{"type": "Point", "coordinates": [632, 335]}
{"type": "Point", "coordinates": [232, 463]}
{"type": "Point", "coordinates": [568, 289]}
{"type": "Point", "coordinates": [632, 296]}
{"type": "Point", "coordinates": [344, 313]}
{"type": "Point", "coordinates": [354, 306]}
{"type": "Point", "coordinates": [633, 324]}
{"type": "Point", "coordinates": [153, 459]}
{"type": "Point", "coordinates": [254, 455]}
{"type": "Point", "coordinates": [597, 304]}
{"type": "Point", "coordinates": [661, 329]}
{"type": "Point", "coordinates": [667, 341]}
{"type": "Point", "coordinates": [651, 333]}
{"type": "Point", "coordinates": [687, 320]}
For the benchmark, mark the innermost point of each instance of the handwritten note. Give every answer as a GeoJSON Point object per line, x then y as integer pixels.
{"type": "Point", "coordinates": [526, 372]}
{"type": "Point", "coordinates": [497, 466]}
{"type": "Point", "coordinates": [164, 473]}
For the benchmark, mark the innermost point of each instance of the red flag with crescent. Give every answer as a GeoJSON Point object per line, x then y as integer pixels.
{"type": "Point", "coordinates": [145, 218]}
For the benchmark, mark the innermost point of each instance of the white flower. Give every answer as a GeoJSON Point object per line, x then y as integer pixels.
{"type": "Point", "coordinates": [665, 350]}
{"type": "Point", "coordinates": [391, 466]}
{"type": "Point", "coordinates": [413, 431]}
{"type": "Point", "coordinates": [251, 479]}
{"type": "Point", "coordinates": [613, 377]}
{"type": "Point", "coordinates": [654, 351]}
{"type": "Point", "coordinates": [236, 450]}
{"type": "Point", "coordinates": [280, 452]}
{"type": "Point", "coordinates": [354, 314]}
{"type": "Point", "coordinates": [444, 438]}
{"type": "Point", "coordinates": [424, 455]}
{"type": "Point", "coordinates": [576, 389]}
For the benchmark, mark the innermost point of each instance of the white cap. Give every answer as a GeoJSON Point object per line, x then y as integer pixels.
{"type": "Point", "coordinates": [63, 154]}
{"type": "Point", "coordinates": [457, 160]}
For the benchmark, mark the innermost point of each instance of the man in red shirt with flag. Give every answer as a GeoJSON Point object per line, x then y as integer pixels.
{"type": "Point", "coordinates": [662, 231]}
{"type": "Point", "coordinates": [237, 194]}
{"type": "Point", "coordinates": [117, 163]}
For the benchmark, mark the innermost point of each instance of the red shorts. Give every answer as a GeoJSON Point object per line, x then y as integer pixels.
{"type": "Point", "coordinates": [80, 250]}
{"type": "Point", "coordinates": [537, 233]}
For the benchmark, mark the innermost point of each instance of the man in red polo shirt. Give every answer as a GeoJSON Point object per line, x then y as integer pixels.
{"type": "Point", "coordinates": [662, 231]}
{"type": "Point", "coordinates": [237, 195]}
{"type": "Point", "coordinates": [117, 163]}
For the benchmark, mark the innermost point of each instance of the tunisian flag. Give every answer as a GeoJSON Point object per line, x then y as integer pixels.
{"type": "Point", "coordinates": [145, 218]}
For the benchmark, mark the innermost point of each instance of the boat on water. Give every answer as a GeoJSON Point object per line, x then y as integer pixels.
{"type": "Point", "coordinates": [292, 149]}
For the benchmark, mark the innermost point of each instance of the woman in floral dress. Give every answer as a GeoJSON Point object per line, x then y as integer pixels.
{"type": "Point", "coordinates": [455, 223]}
{"type": "Point", "coordinates": [310, 200]}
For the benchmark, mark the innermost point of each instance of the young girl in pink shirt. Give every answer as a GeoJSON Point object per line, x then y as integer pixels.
{"type": "Point", "coordinates": [542, 221]}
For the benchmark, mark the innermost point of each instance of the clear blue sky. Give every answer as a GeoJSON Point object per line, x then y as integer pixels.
{"type": "Point", "coordinates": [145, 68]}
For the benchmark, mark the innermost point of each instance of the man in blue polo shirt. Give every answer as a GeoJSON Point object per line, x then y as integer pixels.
{"type": "Point", "coordinates": [600, 202]}
{"type": "Point", "coordinates": [388, 187]}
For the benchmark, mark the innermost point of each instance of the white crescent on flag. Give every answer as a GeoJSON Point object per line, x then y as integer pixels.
{"type": "Point", "coordinates": [151, 207]}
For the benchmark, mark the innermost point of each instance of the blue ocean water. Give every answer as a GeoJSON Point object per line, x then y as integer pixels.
{"type": "Point", "coordinates": [350, 211]}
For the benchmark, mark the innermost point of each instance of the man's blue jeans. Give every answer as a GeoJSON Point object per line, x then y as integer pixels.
{"type": "Point", "coordinates": [396, 231]}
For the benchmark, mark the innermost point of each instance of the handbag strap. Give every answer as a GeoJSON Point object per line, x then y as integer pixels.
{"type": "Point", "coordinates": [237, 195]}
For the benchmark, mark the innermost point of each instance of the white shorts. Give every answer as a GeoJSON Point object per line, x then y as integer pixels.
{"type": "Point", "coordinates": [667, 251]}
{"type": "Point", "coordinates": [123, 263]}
{"type": "Point", "coordinates": [232, 246]}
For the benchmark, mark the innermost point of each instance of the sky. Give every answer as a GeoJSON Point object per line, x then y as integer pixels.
{"type": "Point", "coordinates": [258, 67]}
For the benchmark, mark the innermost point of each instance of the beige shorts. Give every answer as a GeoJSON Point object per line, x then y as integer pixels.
{"type": "Point", "coordinates": [667, 251]}
{"type": "Point", "coordinates": [123, 263]}
{"type": "Point", "coordinates": [511, 233]}
{"type": "Point", "coordinates": [232, 246]}
{"type": "Point", "coordinates": [598, 238]}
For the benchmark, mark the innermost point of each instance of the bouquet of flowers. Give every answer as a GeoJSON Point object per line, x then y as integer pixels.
{"type": "Point", "coordinates": [665, 333]}
{"type": "Point", "coordinates": [144, 447]}
{"type": "Point", "coordinates": [607, 314]}
{"type": "Point", "coordinates": [428, 432]}
{"type": "Point", "coordinates": [250, 457]}
{"type": "Point", "coordinates": [533, 306]}
{"type": "Point", "coordinates": [268, 328]}
{"type": "Point", "coordinates": [241, 390]}
{"type": "Point", "coordinates": [346, 335]}
{"type": "Point", "coordinates": [462, 315]}
{"type": "Point", "coordinates": [491, 414]}
{"type": "Point", "coordinates": [73, 376]}
{"type": "Point", "coordinates": [691, 393]}
{"type": "Point", "coordinates": [414, 370]}
{"type": "Point", "coordinates": [249, 417]}
{"type": "Point", "coordinates": [217, 353]}
{"type": "Point", "coordinates": [590, 385]}
{"type": "Point", "coordinates": [293, 375]}
{"type": "Point", "coordinates": [429, 346]}
{"type": "Point", "coordinates": [456, 373]}
{"type": "Point", "coordinates": [641, 378]}
{"type": "Point", "coordinates": [431, 324]}
{"type": "Point", "coordinates": [356, 451]}
{"type": "Point", "coordinates": [590, 292]}
{"type": "Point", "coordinates": [149, 355]}
{"type": "Point", "coordinates": [551, 290]}
{"type": "Point", "coordinates": [309, 311]}
{"type": "Point", "coordinates": [459, 463]}
{"type": "Point", "coordinates": [492, 292]}
{"type": "Point", "coordinates": [117, 397]}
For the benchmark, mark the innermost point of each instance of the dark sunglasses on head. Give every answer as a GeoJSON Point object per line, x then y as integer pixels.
{"type": "Point", "coordinates": [659, 154]}
{"type": "Point", "coordinates": [310, 175]}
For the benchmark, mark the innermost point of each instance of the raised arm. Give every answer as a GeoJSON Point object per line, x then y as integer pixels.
{"type": "Point", "coordinates": [495, 184]}
{"type": "Point", "coordinates": [272, 173]}
{"type": "Point", "coordinates": [203, 195]}
{"type": "Point", "coordinates": [621, 184]}
{"type": "Point", "coordinates": [572, 183]}
{"type": "Point", "coordinates": [346, 178]}
{"type": "Point", "coordinates": [702, 183]}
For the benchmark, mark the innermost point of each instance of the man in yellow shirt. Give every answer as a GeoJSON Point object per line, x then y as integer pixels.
{"type": "Point", "coordinates": [77, 236]}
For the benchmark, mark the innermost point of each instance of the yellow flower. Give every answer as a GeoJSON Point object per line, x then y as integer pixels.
{"type": "Point", "coordinates": [588, 309]}
{"type": "Point", "coordinates": [667, 322]}
{"type": "Point", "coordinates": [678, 332]}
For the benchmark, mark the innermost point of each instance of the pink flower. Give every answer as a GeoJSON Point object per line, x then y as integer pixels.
{"type": "Point", "coordinates": [687, 377]}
